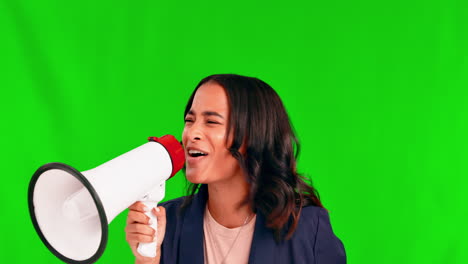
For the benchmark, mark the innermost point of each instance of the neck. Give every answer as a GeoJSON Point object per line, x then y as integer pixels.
{"type": "Point", "coordinates": [227, 202]}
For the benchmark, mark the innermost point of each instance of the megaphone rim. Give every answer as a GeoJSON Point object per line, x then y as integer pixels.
{"type": "Point", "coordinates": [96, 199]}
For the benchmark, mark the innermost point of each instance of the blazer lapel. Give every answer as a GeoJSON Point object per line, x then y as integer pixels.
{"type": "Point", "coordinates": [263, 243]}
{"type": "Point", "coordinates": [191, 241]}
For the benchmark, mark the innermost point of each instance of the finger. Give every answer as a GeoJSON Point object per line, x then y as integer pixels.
{"type": "Point", "coordinates": [138, 238]}
{"type": "Point", "coordinates": [137, 217]}
{"type": "Point", "coordinates": [140, 229]}
{"type": "Point", "coordinates": [138, 206]}
{"type": "Point", "coordinates": [160, 213]}
{"type": "Point", "coordinates": [161, 218]}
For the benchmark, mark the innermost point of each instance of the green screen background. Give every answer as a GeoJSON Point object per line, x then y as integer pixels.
{"type": "Point", "coordinates": [377, 91]}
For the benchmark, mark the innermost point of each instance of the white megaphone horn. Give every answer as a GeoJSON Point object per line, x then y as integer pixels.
{"type": "Point", "coordinates": [71, 210]}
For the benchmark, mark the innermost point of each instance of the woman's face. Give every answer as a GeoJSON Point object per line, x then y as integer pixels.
{"type": "Point", "coordinates": [204, 137]}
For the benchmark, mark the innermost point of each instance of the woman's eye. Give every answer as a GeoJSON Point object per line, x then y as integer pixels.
{"type": "Point", "coordinates": [188, 120]}
{"type": "Point", "coordinates": [212, 122]}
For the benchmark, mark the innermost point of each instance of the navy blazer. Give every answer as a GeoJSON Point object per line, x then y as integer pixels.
{"type": "Point", "coordinates": [312, 242]}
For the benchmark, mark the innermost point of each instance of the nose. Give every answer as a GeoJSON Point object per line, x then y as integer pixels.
{"type": "Point", "coordinates": [194, 132]}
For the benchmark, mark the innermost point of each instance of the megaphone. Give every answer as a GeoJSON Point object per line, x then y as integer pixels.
{"type": "Point", "coordinates": [71, 210]}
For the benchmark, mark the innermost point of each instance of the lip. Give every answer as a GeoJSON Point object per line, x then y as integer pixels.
{"type": "Point", "coordinates": [192, 161]}
{"type": "Point", "coordinates": [187, 149]}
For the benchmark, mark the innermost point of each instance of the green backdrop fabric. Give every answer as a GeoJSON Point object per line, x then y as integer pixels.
{"type": "Point", "coordinates": [377, 91]}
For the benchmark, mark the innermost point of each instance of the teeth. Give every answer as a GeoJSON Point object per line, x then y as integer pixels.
{"type": "Point", "coordinates": [192, 152]}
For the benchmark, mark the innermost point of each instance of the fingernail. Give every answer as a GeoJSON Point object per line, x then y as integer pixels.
{"type": "Point", "coordinates": [157, 209]}
{"type": "Point", "coordinates": [145, 209]}
{"type": "Point", "coordinates": [151, 221]}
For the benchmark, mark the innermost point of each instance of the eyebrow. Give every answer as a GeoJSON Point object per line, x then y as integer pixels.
{"type": "Point", "coordinates": [206, 113]}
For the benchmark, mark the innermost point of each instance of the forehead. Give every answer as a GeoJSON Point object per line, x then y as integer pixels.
{"type": "Point", "coordinates": [210, 97]}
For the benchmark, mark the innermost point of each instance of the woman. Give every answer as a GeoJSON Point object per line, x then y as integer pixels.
{"type": "Point", "coordinates": [246, 202]}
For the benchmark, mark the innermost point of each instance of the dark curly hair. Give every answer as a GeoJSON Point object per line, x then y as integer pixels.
{"type": "Point", "coordinates": [259, 120]}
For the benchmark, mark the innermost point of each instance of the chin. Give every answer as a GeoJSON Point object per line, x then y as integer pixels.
{"type": "Point", "coordinates": [194, 177]}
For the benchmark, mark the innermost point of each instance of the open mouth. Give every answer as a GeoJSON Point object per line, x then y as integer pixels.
{"type": "Point", "coordinates": [197, 153]}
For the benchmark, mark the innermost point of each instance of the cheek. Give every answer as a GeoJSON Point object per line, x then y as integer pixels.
{"type": "Point", "coordinates": [225, 157]}
{"type": "Point", "coordinates": [221, 149]}
{"type": "Point", "coordinates": [219, 136]}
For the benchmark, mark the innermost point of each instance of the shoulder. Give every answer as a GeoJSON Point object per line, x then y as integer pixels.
{"type": "Point", "coordinates": [312, 213]}
{"type": "Point", "coordinates": [173, 207]}
{"type": "Point", "coordinates": [177, 202]}
{"type": "Point", "coordinates": [316, 220]}
{"type": "Point", "coordinates": [314, 216]}
{"type": "Point", "coordinates": [311, 217]}
{"type": "Point", "coordinates": [315, 227]}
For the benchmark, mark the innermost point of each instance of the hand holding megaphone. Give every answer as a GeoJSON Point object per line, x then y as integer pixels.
{"type": "Point", "coordinates": [71, 210]}
{"type": "Point", "coordinates": [138, 230]}
{"type": "Point", "coordinates": [150, 202]}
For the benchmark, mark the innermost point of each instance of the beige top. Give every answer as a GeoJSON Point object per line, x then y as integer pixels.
{"type": "Point", "coordinates": [219, 240]}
